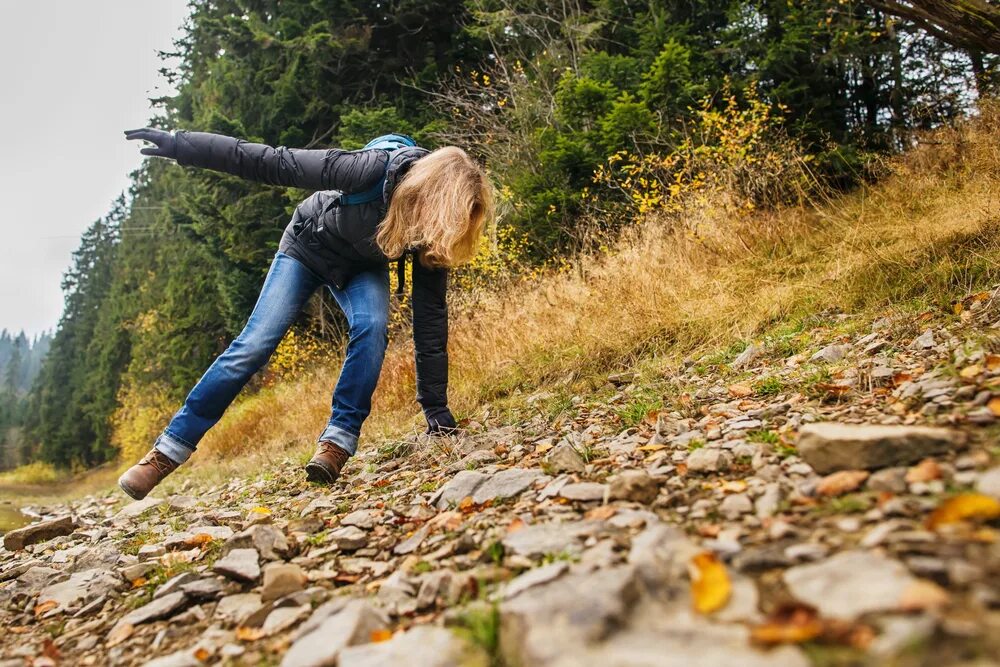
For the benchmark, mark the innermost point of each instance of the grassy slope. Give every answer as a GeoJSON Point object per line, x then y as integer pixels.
{"type": "Point", "coordinates": [927, 234]}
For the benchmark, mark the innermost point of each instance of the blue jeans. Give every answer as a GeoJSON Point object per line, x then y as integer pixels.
{"type": "Point", "coordinates": [287, 288]}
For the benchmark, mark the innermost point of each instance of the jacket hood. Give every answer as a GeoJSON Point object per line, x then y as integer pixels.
{"type": "Point", "coordinates": [400, 160]}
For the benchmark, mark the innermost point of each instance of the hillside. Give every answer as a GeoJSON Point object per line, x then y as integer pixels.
{"type": "Point", "coordinates": [773, 442]}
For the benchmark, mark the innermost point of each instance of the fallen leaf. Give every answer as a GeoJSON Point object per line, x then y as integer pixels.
{"type": "Point", "coordinates": [199, 540]}
{"type": "Point", "coordinates": [971, 372]}
{"type": "Point", "coordinates": [922, 595]}
{"type": "Point", "coordinates": [925, 471]}
{"type": "Point", "coordinates": [46, 606]}
{"type": "Point", "coordinates": [710, 585]}
{"type": "Point", "coordinates": [957, 308]}
{"type": "Point", "coordinates": [789, 624]}
{"type": "Point", "coordinates": [833, 389]}
{"type": "Point", "coordinates": [382, 635]}
{"type": "Point", "coordinates": [710, 530]}
{"type": "Point", "coordinates": [541, 449]}
{"type": "Point", "coordinates": [740, 390]}
{"type": "Point", "coordinates": [992, 362]}
{"type": "Point", "coordinates": [447, 520]}
{"type": "Point", "coordinates": [965, 506]}
{"type": "Point", "coordinates": [602, 513]}
{"type": "Point", "coordinates": [994, 405]}
{"type": "Point", "coordinates": [245, 634]}
{"type": "Point", "coordinates": [50, 651]}
{"type": "Point", "coordinates": [733, 486]}
{"type": "Point", "coordinates": [141, 581]}
{"type": "Point", "coordinates": [651, 448]}
{"type": "Point", "coordinates": [900, 378]}
{"type": "Point", "coordinates": [841, 482]}
{"type": "Point", "coordinates": [202, 654]}
{"type": "Point", "coordinates": [515, 525]}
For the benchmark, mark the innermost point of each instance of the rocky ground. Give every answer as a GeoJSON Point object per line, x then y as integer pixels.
{"type": "Point", "coordinates": [825, 495]}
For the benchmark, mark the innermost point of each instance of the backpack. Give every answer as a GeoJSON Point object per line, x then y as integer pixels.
{"type": "Point", "coordinates": [386, 142]}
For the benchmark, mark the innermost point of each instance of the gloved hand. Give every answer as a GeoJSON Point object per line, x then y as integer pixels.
{"type": "Point", "coordinates": [439, 421]}
{"type": "Point", "coordinates": [166, 145]}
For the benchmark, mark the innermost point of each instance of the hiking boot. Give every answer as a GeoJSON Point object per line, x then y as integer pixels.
{"type": "Point", "coordinates": [140, 479]}
{"type": "Point", "coordinates": [326, 463]}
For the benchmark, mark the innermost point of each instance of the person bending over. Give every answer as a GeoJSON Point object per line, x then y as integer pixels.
{"type": "Point", "coordinates": [372, 206]}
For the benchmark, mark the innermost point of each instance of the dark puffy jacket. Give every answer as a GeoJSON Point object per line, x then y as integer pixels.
{"type": "Point", "coordinates": [338, 242]}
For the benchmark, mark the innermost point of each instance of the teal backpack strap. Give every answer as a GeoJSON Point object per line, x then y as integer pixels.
{"type": "Point", "coordinates": [386, 142]}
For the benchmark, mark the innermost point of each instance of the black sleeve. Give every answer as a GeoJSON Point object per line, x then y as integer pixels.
{"type": "Point", "coordinates": [326, 169]}
{"type": "Point", "coordinates": [430, 334]}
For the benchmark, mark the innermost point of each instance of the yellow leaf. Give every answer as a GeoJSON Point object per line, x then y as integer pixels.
{"type": "Point", "coordinates": [260, 510]}
{"type": "Point", "coordinates": [651, 448]}
{"type": "Point", "coordinates": [246, 634]}
{"type": "Point", "coordinates": [541, 449]}
{"type": "Point", "coordinates": [792, 624]}
{"type": "Point", "coordinates": [380, 635]}
{"type": "Point", "coordinates": [971, 372]}
{"type": "Point", "coordinates": [994, 405]}
{"type": "Point", "coordinates": [974, 506]}
{"type": "Point", "coordinates": [992, 362]}
{"type": "Point", "coordinates": [141, 581]}
{"type": "Point", "coordinates": [710, 586]}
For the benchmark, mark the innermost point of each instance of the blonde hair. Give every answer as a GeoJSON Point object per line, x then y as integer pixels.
{"type": "Point", "coordinates": [439, 207]}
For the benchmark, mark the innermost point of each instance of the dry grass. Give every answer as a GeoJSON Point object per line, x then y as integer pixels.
{"type": "Point", "coordinates": [928, 233]}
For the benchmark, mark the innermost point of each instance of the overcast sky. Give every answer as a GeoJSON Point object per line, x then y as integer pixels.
{"type": "Point", "coordinates": [73, 76]}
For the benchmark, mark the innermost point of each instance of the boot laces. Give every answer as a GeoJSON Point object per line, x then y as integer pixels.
{"type": "Point", "coordinates": [161, 463]}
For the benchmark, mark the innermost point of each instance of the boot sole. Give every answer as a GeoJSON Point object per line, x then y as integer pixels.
{"type": "Point", "coordinates": [129, 491]}
{"type": "Point", "coordinates": [317, 473]}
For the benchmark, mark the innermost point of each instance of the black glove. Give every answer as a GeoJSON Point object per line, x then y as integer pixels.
{"type": "Point", "coordinates": [166, 145]}
{"type": "Point", "coordinates": [439, 421]}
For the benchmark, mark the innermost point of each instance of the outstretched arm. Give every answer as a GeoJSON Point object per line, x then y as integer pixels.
{"type": "Point", "coordinates": [430, 342]}
{"type": "Point", "coordinates": [326, 169]}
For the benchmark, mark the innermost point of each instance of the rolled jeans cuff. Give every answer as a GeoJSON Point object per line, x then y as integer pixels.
{"type": "Point", "coordinates": [343, 439]}
{"type": "Point", "coordinates": [173, 448]}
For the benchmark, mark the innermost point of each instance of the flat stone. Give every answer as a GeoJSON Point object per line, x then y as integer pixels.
{"type": "Point", "coordinates": [708, 459]}
{"type": "Point", "coordinates": [365, 519]}
{"type": "Point", "coordinates": [43, 531]}
{"type": "Point", "coordinates": [413, 542]}
{"type": "Point", "coordinates": [564, 458]}
{"type": "Point", "coordinates": [850, 583]}
{"type": "Point", "coordinates": [736, 505]}
{"type": "Point", "coordinates": [236, 608]}
{"type": "Point", "coordinates": [266, 538]}
{"type": "Point", "coordinates": [459, 487]}
{"type": "Point", "coordinates": [280, 579]}
{"type": "Point", "coordinates": [348, 538]}
{"type": "Point", "coordinates": [989, 483]}
{"type": "Point", "coordinates": [924, 341]}
{"type": "Point", "coordinates": [633, 485]}
{"type": "Point", "coordinates": [163, 607]}
{"type": "Point", "coordinates": [137, 508]}
{"type": "Point", "coordinates": [891, 480]}
{"type": "Point", "coordinates": [80, 588]}
{"type": "Point", "coordinates": [535, 577]}
{"type": "Point", "coordinates": [549, 539]}
{"type": "Point", "coordinates": [750, 353]}
{"type": "Point", "coordinates": [354, 624]}
{"type": "Point", "coordinates": [421, 646]}
{"type": "Point", "coordinates": [175, 584]}
{"type": "Point", "coordinates": [583, 491]}
{"type": "Point", "coordinates": [831, 354]}
{"type": "Point", "coordinates": [239, 564]}
{"type": "Point", "coordinates": [506, 484]}
{"type": "Point", "coordinates": [208, 588]}
{"type": "Point", "coordinates": [832, 446]}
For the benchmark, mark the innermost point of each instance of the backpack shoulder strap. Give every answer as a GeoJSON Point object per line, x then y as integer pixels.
{"type": "Point", "coordinates": [388, 143]}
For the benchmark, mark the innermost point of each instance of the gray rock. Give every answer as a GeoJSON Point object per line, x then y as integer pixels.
{"type": "Point", "coordinates": [183, 658]}
{"type": "Point", "coordinates": [175, 584]}
{"type": "Point", "coordinates": [708, 459]}
{"type": "Point", "coordinates": [891, 480]}
{"type": "Point", "coordinates": [208, 588]}
{"type": "Point", "coordinates": [924, 341]}
{"type": "Point", "coordinates": [43, 531]}
{"type": "Point", "coordinates": [583, 491]}
{"type": "Point", "coordinates": [80, 588]}
{"type": "Point", "coordinates": [661, 554]}
{"type": "Point", "coordinates": [831, 354]}
{"type": "Point", "coordinates": [348, 538]}
{"type": "Point", "coordinates": [535, 577]}
{"type": "Point", "coordinates": [832, 446]}
{"type": "Point", "coordinates": [365, 519]}
{"type": "Point", "coordinates": [459, 487]}
{"type": "Point", "coordinates": [989, 483]}
{"type": "Point", "coordinates": [239, 564]}
{"type": "Point", "coordinates": [736, 505]}
{"type": "Point", "coordinates": [163, 607]}
{"type": "Point", "coordinates": [767, 503]}
{"type": "Point", "coordinates": [421, 646]}
{"type": "Point", "coordinates": [280, 579]}
{"type": "Point", "coordinates": [850, 583]}
{"type": "Point", "coordinates": [749, 354]}
{"type": "Point", "coordinates": [413, 542]}
{"type": "Point", "coordinates": [236, 608]}
{"type": "Point", "coordinates": [266, 538]}
{"type": "Point", "coordinates": [506, 484]}
{"type": "Point", "coordinates": [564, 458]}
{"type": "Point", "coordinates": [634, 485]}
{"type": "Point", "coordinates": [549, 538]}
{"type": "Point", "coordinates": [354, 624]}
{"type": "Point", "coordinates": [135, 509]}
